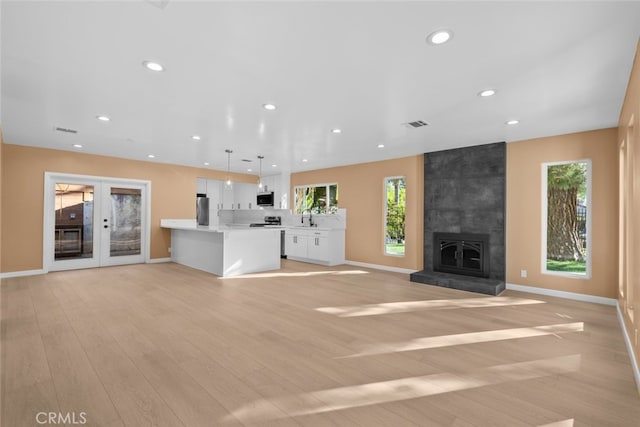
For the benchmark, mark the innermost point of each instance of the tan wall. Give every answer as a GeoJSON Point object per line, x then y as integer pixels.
{"type": "Point", "coordinates": [172, 196]}
{"type": "Point", "coordinates": [524, 209]}
{"type": "Point", "coordinates": [1, 184]}
{"type": "Point", "coordinates": [361, 192]}
{"type": "Point", "coordinates": [629, 137]}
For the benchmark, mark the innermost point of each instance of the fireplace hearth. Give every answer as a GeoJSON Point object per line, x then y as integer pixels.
{"type": "Point", "coordinates": [461, 253]}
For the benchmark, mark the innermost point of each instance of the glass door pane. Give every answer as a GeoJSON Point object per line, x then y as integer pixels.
{"type": "Point", "coordinates": [92, 222]}
{"type": "Point", "coordinates": [126, 221]}
{"type": "Point", "coordinates": [73, 221]}
{"type": "Point", "coordinates": [122, 223]}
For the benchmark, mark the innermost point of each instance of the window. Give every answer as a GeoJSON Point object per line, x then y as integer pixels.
{"type": "Point", "coordinates": [566, 218]}
{"type": "Point", "coordinates": [395, 205]}
{"type": "Point", "coordinates": [317, 198]}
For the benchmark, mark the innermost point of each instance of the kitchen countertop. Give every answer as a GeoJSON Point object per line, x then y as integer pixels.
{"type": "Point", "coordinates": [190, 224]}
{"type": "Point", "coordinates": [186, 224]}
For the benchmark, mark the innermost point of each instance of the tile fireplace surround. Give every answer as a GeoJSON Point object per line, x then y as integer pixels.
{"type": "Point", "coordinates": [464, 192]}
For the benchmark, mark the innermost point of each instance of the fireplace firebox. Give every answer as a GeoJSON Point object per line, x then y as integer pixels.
{"type": "Point", "coordinates": [461, 253]}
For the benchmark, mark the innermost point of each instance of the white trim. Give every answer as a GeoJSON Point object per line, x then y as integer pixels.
{"type": "Point", "coordinates": [543, 240]}
{"type": "Point", "coordinates": [593, 299]}
{"type": "Point", "coordinates": [158, 260]}
{"type": "Point", "coordinates": [385, 210]}
{"type": "Point", "coordinates": [627, 341]}
{"type": "Point", "coordinates": [48, 225]}
{"type": "Point", "coordinates": [562, 294]}
{"type": "Point", "coordinates": [327, 186]}
{"type": "Point", "coordinates": [380, 267]}
{"type": "Point", "coordinates": [22, 273]}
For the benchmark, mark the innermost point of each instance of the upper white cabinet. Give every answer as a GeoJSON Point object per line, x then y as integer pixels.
{"type": "Point", "coordinates": [201, 186]}
{"type": "Point", "coordinates": [240, 195]}
{"type": "Point", "coordinates": [227, 196]}
{"type": "Point", "coordinates": [245, 195]}
{"type": "Point", "coordinates": [279, 184]}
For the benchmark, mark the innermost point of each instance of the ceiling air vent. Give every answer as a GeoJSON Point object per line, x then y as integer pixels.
{"type": "Point", "coordinates": [416, 124]}
{"type": "Point", "coordinates": [66, 130]}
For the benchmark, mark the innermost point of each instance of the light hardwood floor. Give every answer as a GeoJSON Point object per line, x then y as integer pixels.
{"type": "Point", "coordinates": [165, 345]}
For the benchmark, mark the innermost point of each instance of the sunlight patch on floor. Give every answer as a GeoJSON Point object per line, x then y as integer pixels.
{"type": "Point", "coordinates": [405, 306]}
{"type": "Point", "coordinates": [563, 423]}
{"type": "Point", "coordinates": [297, 274]}
{"type": "Point", "coordinates": [401, 389]}
{"type": "Point", "coordinates": [470, 338]}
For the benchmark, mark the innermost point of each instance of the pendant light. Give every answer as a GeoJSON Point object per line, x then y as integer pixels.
{"type": "Point", "coordinates": [227, 183]}
{"type": "Point", "coordinates": [260, 176]}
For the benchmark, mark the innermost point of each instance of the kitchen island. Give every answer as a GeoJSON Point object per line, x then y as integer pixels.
{"type": "Point", "coordinates": [224, 250]}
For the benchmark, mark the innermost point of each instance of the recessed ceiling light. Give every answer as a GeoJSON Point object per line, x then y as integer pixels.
{"type": "Point", "coordinates": [336, 130]}
{"type": "Point", "coordinates": [380, 145]}
{"type": "Point", "coordinates": [195, 137]}
{"type": "Point", "coordinates": [487, 92]}
{"type": "Point", "coordinates": [151, 156]}
{"type": "Point", "coordinates": [103, 118]}
{"type": "Point", "coordinates": [77, 145]}
{"type": "Point", "coordinates": [206, 163]}
{"type": "Point", "coordinates": [304, 160]}
{"type": "Point", "coordinates": [274, 166]}
{"type": "Point", "coordinates": [153, 66]}
{"type": "Point", "coordinates": [249, 170]}
{"type": "Point", "coordinates": [512, 122]}
{"type": "Point", "coordinates": [269, 107]}
{"type": "Point", "coordinates": [439, 37]}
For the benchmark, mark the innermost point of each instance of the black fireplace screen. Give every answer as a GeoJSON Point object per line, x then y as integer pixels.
{"type": "Point", "coordinates": [461, 253]}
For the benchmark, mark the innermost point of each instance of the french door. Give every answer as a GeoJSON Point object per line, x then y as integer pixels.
{"type": "Point", "coordinates": [94, 222]}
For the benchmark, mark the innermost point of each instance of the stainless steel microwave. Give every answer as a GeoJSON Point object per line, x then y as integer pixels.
{"type": "Point", "coordinates": [265, 199]}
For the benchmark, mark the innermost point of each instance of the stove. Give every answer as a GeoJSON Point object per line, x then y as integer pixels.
{"type": "Point", "coordinates": [268, 221]}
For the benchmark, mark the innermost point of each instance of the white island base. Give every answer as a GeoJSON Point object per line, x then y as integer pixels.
{"type": "Point", "coordinates": [224, 251]}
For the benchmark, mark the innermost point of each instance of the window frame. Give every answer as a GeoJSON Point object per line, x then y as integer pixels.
{"type": "Point", "coordinates": [385, 216]}
{"type": "Point", "coordinates": [327, 186]}
{"type": "Point", "coordinates": [545, 211]}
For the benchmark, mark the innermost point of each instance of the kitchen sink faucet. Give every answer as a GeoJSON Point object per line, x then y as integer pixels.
{"type": "Point", "coordinates": [310, 217]}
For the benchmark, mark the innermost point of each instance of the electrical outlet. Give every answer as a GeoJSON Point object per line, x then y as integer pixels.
{"type": "Point", "coordinates": [169, 249]}
{"type": "Point", "coordinates": [523, 273]}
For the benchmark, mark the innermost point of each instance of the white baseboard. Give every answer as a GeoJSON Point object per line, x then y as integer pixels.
{"type": "Point", "coordinates": [22, 273]}
{"type": "Point", "coordinates": [562, 294]}
{"type": "Point", "coordinates": [380, 267]}
{"type": "Point", "coordinates": [158, 260]}
{"type": "Point", "coordinates": [627, 341]}
{"type": "Point", "coordinates": [42, 271]}
{"type": "Point", "coordinates": [594, 299]}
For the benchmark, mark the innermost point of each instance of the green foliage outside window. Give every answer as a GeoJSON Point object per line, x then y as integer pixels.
{"type": "Point", "coordinates": [314, 199]}
{"type": "Point", "coordinates": [395, 215]}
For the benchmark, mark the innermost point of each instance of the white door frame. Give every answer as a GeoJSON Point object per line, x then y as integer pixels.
{"type": "Point", "coordinates": [48, 247]}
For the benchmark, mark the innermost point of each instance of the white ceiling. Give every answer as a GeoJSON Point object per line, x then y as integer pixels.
{"type": "Point", "coordinates": [363, 67]}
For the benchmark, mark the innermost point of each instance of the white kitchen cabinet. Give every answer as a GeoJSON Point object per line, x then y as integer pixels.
{"type": "Point", "coordinates": [213, 192]}
{"type": "Point", "coordinates": [245, 195]}
{"type": "Point", "coordinates": [320, 246]}
{"type": "Point", "coordinates": [201, 185]}
{"type": "Point", "coordinates": [227, 199]}
{"type": "Point", "coordinates": [279, 184]}
{"type": "Point", "coordinates": [296, 244]}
